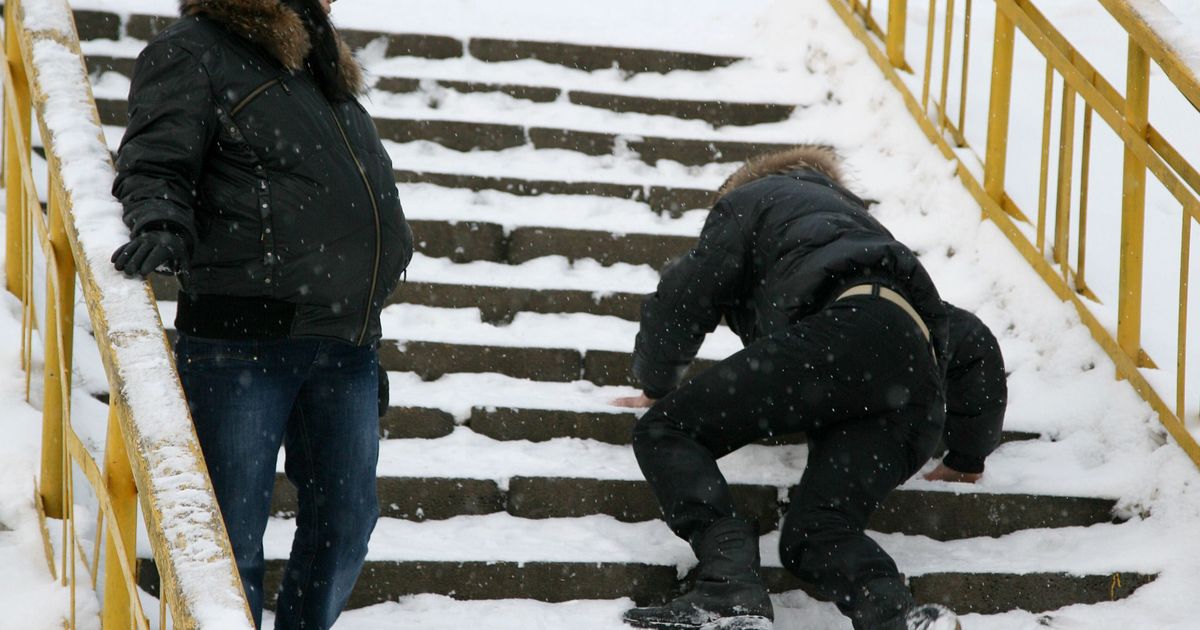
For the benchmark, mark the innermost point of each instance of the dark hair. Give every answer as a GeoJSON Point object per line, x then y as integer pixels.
{"type": "Point", "coordinates": [324, 58]}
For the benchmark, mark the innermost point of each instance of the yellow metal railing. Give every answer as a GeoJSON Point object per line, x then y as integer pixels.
{"type": "Point", "coordinates": [151, 453]}
{"type": "Point", "coordinates": [1060, 226]}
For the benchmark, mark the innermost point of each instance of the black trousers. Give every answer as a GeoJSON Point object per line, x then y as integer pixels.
{"type": "Point", "coordinates": [860, 379]}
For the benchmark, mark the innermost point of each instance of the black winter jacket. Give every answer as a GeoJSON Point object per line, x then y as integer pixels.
{"type": "Point", "coordinates": [772, 252]}
{"type": "Point", "coordinates": [976, 392]}
{"type": "Point", "coordinates": [288, 201]}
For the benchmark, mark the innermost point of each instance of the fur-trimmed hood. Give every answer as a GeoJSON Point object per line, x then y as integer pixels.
{"type": "Point", "coordinates": [277, 28]}
{"type": "Point", "coordinates": [816, 157]}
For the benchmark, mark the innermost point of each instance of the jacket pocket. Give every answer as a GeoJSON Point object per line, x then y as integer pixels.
{"type": "Point", "coordinates": [255, 93]}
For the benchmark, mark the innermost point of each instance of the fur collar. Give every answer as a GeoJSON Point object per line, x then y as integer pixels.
{"type": "Point", "coordinates": [814, 157]}
{"type": "Point", "coordinates": [275, 27]}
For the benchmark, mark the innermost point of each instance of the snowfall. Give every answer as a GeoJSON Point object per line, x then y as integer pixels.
{"type": "Point", "coordinates": [1099, 438]}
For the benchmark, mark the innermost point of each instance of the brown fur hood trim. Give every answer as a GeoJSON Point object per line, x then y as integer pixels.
{"type": "Point", "coordinates": [275, 27]}
{"type": "Point", "coordinates": [815, 157]}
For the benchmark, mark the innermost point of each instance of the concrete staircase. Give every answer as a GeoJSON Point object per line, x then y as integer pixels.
{"type": "Point", "coordinates": [502, 355]}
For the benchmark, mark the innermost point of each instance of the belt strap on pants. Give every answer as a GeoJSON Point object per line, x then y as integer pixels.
{"type": "Point", "coordinates": [891, 296]}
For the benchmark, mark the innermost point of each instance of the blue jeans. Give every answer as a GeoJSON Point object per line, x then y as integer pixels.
{"type": "Point", "coordinates": [317, 398]}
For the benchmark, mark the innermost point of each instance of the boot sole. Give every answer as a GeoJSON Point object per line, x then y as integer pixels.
{"type": "Point", "coordinates": [651, 624]}
{"type": "Point", "coordinates": [744, 622]}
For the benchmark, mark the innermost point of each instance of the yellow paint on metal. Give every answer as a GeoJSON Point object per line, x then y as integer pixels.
{"type": "Point", "coordinates": [118, 479]}
{"type": "Point", "coordinates": [966, 65]}
{"type": "Point", "coordinates": [897, 32]}
{"type": "Point", "coordinates": [947, 48]}
{"type": "Point", "coordinates": [16, 96]}
{"type": "Point", "coordinates": [996, 153]}
{"type": "Point", "coordinates": [930, 29]}
{"type": "Point", "coordinates": [126, 452]}
{"type": "Point", "coordinates": [1085, 170]}
{"type": "Point", "coordinates": [999, 207]}
{"type": "Point", "coordinates": [1133, 205]}
{"type": "Point", "coordinates": [1044, 175]}
{"type": "Point", "coordinates": [1066, 167]}
{"type": "Point", "coordinates": [1181, 323]}
{"type": "Point", "coordinates": [1048, 42]}
{"type": "Point", "coordinates": [1173, 61]}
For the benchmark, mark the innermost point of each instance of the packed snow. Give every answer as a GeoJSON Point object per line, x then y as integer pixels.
{"type": "Point", "coordinates": [1098, 437]}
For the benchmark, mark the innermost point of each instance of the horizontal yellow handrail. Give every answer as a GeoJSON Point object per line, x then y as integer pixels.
{"type": "Point", "coordinates": [1158, 32]}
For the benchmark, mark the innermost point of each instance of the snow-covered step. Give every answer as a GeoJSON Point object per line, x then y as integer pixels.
{"type": "Point", "coordinates": [550, 284]}
{"type": "Point", "coordinates": [714, 112]}
{"type": "Point", "coordinates": [586, 212]}
{"type": "Point", "coordinates": [505, 408]}
{"type": "Point", "coordinates": [435, 341]}
{"type": "Point", "coordinates": [466, 241]}
{"type": "Point", "coordinates": [470, 135]}
{"type": "Point", "coordinates": [102, 25]}
{"type": "Point", "coordinates": [498, 556]}
{"type": "Point", "coordinates": [673, 198]}
{"type": "Point", "coordinates": [936, 514]}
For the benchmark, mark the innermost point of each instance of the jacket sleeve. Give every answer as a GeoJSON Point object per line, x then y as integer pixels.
{"type": "Point", "coordinates": [172, 122]}
{"type": "Point", "coordinates": [976, 394]}
{"type": "Point", "coordinates": [688, 303]}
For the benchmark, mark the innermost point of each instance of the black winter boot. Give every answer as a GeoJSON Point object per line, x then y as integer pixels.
{"type": "Point", "coordinates": [886, 604]}
{"type": "Point", "coordinates": [728, 593]}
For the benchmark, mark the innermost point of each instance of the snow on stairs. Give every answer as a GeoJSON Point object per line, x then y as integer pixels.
{"type": "Point", "coordinates": [504, 474]}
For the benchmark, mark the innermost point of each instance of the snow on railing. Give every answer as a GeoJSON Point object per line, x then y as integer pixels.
{"type": "Point", "coordinates": [149, 418]}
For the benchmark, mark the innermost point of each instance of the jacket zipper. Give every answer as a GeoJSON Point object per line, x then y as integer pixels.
{"type": "Point", "coordinates": [375, 209]}
{"type": "Point", "coordinates": [255, 94]}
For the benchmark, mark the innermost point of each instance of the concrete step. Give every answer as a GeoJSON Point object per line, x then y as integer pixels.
{"type": "Point", "coordinates": [461, 135]}
{"type": "Point", "coordinates": [669, 199]}
{"type": "Point", "coordinates": [935, 514]}
{"type": "Point", "coordinates": [466, 241]}
{"type": "Point", "coordinates": [590, 57]}
{"type": "Point", "coordinates": [432, 360]}
{"type": "Point", "coordinates": [716, 113]}
{"type": "Point", "coordinates": [497, 304]}
{"type": "Point", "coordinates": [93, 25]}
{"type": "Point", "coordinates": [981, 593]}
{"type": "Point", "coordinates": [539, 425]}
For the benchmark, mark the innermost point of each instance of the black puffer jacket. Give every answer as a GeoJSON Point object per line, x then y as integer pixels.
{"type": "Point", "coordinates": [288, 200]}
{"type": "Point", "coordinates": [976, 392]}
{"type": "Point", "coordinates": [772, 252]}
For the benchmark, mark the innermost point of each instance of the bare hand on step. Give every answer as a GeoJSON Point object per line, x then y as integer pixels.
{"type": "Point", "coordinates": [945, 473]}
{"type": "Point", "coordinates": [633, 402]}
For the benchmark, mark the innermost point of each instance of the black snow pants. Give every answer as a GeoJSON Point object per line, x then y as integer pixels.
{"type": "Point", "coordinates": [860, 378]}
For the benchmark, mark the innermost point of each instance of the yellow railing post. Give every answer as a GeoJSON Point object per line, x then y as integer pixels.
{"type": "Point", "coordinates": [998, 109]}
{"type": "Point", "coordinates": [897, 29]}
{"type": "Point", "coordinates": [15, 227]}
{"type": "Point", "coordinates": [1066, 167]}
{"type": "Point", "coordinates": [117, 611]}
{"type": "Point", "coordinates": [1133, 207]}
{"type": "Point", "coordinates": [58, 326]}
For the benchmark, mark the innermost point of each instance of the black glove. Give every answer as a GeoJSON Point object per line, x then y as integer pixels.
{"type": "Point", "coordinates": [153, 250]}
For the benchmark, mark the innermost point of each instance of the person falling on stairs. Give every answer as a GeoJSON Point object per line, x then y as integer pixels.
{"type": "Point", "coordinates": [845, 338]}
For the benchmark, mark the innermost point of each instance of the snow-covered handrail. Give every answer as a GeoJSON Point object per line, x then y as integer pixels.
{"type": "Point", "coordinates": [151, 441]}
{"type": "Point", "coordinates": [1157, 31]}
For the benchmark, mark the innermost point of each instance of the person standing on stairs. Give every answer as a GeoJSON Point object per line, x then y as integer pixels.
{"type": "Point", "coordinates": [250, 169]}
{"type": "Point", "coordinates": [845, 335]}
